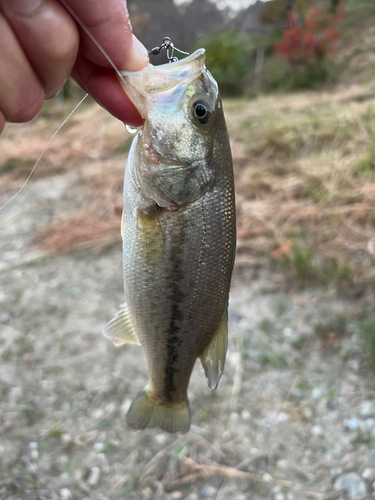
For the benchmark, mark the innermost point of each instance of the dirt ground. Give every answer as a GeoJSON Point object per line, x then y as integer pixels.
{"type": "Point", "coordinates": [294, 414]}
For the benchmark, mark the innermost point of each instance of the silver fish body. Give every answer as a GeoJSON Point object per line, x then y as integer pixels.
{"type": "Point", "coordinates": [178, 237]}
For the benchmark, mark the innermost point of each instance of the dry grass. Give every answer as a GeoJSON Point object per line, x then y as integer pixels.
{"type": "Point", "coordinates": [299, 185]}
{"type": "Point", "coordinates": [304, 168]}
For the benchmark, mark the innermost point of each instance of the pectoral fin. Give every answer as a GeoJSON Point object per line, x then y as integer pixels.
{"type": "Point", "coordinates": [213, 356]}
{"type": "Point", "coordinates": [120, 329]}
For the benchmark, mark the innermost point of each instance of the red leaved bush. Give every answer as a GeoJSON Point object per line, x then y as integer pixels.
{"type": "Point", "coordinates": [310, 41]}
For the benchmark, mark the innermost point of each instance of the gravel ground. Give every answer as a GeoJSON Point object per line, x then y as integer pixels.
{"type": "Point", "coordinates": [293, 417]}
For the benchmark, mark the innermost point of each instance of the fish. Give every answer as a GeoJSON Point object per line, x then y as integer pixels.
{"type": "Point", "coordinates": [179, 237]}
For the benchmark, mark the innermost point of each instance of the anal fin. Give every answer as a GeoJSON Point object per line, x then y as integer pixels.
{"type": "Point", "coordinates": [213, 356]}
{"type": "Point", "coordinates": [120, 329]}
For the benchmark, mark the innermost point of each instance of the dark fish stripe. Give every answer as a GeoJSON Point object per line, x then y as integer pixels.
{"type": "Point", "coordinates": [176, 317]}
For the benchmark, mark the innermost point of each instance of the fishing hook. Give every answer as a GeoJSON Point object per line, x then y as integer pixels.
{"type": "Point", "coordinates": [169, 46]}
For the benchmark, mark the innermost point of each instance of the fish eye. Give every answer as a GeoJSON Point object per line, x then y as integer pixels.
{"type": "Point", "coordinates": [201, 112]}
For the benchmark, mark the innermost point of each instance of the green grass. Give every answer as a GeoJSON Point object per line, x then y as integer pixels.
{"type": "Point", "coordinates": [56, 433]}
{"type": "Point", "coordinates": [274, 359]}
{"type": "Point", "coordinates": [366, 331]}
{"type": "Point", "coordinates": [18, 166]}
{"type": "Point", "coordinates": [306, 268]}
{"type": "Point", "coordinates": [366, 165]}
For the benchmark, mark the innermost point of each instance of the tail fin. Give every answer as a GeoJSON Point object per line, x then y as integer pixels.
{"type": "Point", "coordinates": [148, 411]}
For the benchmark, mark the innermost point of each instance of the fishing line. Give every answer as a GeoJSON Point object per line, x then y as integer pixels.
{"type": "Point", "coordinates": [42, 153]}
{"type": "Point", "coordinates": [87, 31]}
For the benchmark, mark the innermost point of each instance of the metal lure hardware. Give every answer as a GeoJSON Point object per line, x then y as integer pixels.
{"type": "Point", "coordinates": [170, 48]}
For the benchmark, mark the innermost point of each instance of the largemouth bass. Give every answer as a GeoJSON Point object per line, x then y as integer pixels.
{"type": "Point", "coordinates": [178, 237]}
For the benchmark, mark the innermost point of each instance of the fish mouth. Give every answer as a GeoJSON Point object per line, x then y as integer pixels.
{"type": "Point", "coordinates": [139, 85]}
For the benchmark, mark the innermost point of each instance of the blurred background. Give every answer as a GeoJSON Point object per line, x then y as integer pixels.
{"type": "Point", "coordinates": [294, 415]}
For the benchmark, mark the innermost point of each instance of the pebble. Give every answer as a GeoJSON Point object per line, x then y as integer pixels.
{"type": "Point", "coordinates": [94, 476]}
{"type": "Point", "coordinates": [161, 439]}
{"type": "Point", "coordinates": [110, 407]}
{"type": "Point", "coordinates": [44, 495]}
{"type": "Point", "coordinates": [352, 484]}
{"type": "Point", "coordinates": [351, 424]}
{"type": "Point", "coordinates": [99, 447]}
{"type": "Point", "coordinates": [66, 438]}
{"type": "Point", "coordinates": [367, 409]}
{"type": "Point", "coordinates": [245, 415]}
{"type": "Point", "coordinates": [192, 496]}
{"type": "Point", "coordinates": [316, 430]}
{"type": "Point", "coordinates": [370, 422]}
{"type": "Point", "coordinates": [282, 417]}
{"type": "Point", "coordinates": [14, 394]}
{"type": "Point", "coordinates": [316, 393]}
{"type": "Point", "coordinates": [279, 496]}
{"type": "Point", "coordinates": [308, 413]}
{"type": "Point", "coordinates": [234, 416]}
{"type": "Point", "coordinates": [368, 474]}
{"type": "Point", "coordinates": [176, 495]}
{"type": "Point", "coordinates": [98, 413]}
{"type": "Point", "coordinates": [208, 491]}
{"type": "Point", "coordinates": [65, 494]}
{"type": "Point", "coordinates": [267, 478]}
{"type": "Point", "coordinates": [282, 464]}
{"type": "Point", "coordinates": [288, 332]}
{"type": "Point", "coordinates": [4, 318]}
{"type": "Point", "coordinates": [226, 435]}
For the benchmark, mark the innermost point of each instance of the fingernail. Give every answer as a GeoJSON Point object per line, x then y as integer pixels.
{"type": "Point", "coordinates": [138, 58]}
{"type": "Point", "coordinates": [21, 6]}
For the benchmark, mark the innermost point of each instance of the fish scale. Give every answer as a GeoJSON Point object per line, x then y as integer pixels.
{"type": "Point", "coordinates": [178, 239]}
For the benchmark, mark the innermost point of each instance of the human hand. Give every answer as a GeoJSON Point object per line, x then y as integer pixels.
{"type": "Point", "coordinates": [41, 45]}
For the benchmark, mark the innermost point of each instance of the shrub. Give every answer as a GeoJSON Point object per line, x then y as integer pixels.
{"type": "Point", "coordinates": [227, 61]}
{"type": "Point", "coordinates": [311, 42]}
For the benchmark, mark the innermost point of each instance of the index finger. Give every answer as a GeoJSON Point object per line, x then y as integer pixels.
{"type": "Point", "coordinates": [109, 24]}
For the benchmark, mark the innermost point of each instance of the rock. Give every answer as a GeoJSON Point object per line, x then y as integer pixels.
{"type": "Point", "coordinates": [4, 318]}
{"type": "Point", "coordinates": [99, 447]}
{"type": "Point", "coordinates": [282, 464]}
{"type": "Point", "coordinates": [351, 424]}
{"type": "Point", "coordinates": [279, 496]}
{"type": "Point", "coordinates": [98, 413]}
{"type": "Point", "coordinates": [161, 439]}
{"type": "Point", "coordinates": [34, 450]}
{"type": "Point", "coordinates": [226, 436]}
{"type": "Point", "coordinates": [176, 495]}
{"type": "Point", "coordinates": [245, 415]}
{"type": "Point", "coordinates": [352, 484]}
{"type": "Point", "coordinates": [94, 476]}
{"type": "Point", "coordinates": [234, 416]}
{"type": "Point", "coordinates": [66, 438]}
{"type": "Point", "coordinates": [65, 494]}
{"type": "Point", "coordinates": [316, 393]}
{"type": "Point", "coordinates": [369, 474]}
{"type": "Point", "coordinates": [367, 409]}
{"type": "Point", "coordinates": [316, 430]}
{"type": "Point", "coordinates": [282, 417]}
{"type": "Point", "coordinates": [44, 495]}
{"type": "Point", "coordinates": [267, 478]}
{"type": "Point", "coordinates": [208, 491]}
{"type": "Point", "coordinates": [288, 332]}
